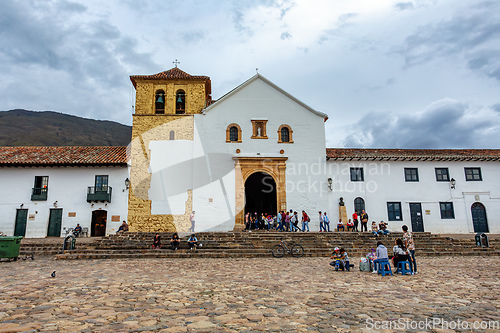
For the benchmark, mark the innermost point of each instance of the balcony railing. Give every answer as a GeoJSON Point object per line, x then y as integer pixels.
{"type": "Point", "coordinates": [39, 194]}
{"type": "Point", "coordinates": [100, 194]}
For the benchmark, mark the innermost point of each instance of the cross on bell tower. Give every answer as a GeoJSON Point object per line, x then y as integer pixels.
{"type": "Point", "coordinates": [176, 62]}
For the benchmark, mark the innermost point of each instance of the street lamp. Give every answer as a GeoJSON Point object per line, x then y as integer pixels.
{"type": "Point", "coordinates": [453, 182]}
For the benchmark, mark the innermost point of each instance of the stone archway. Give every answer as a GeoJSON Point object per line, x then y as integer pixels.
{"type": "Point", "coordinates": [244, 168]}
{"type": "Point", "coordinates": [260, 194]}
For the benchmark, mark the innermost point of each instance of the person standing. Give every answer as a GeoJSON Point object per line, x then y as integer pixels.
{"type": "Point", "coordinates": [410, 245]}
{"type": "Point", "coordinates": [355, 220]}
{"type": "Point", "coordinates": [247, 221]}
{"type": "Point", "coordinates": [279, 220]}
{"type": "Point", "coordinates": [305, 221]}
{"type": "Point", "coordinates": [287, 222]}
{"type": "Point", "coordinates": [321, 225]}
{"type": "Point", "coordinates": [326, 222]}
{"type": "Point", "coordinates": [293, 219]}
{"type": "Point", "coordinates": [364, 220]}
{"type": "Point", "coordinates": [191, 218]}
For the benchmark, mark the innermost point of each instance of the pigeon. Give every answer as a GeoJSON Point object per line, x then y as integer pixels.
{"type": "Point", "coordinates": [53, 274]}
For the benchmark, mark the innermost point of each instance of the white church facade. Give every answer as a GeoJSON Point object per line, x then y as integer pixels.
{"type": "Point", "coordinates": [258, 149]}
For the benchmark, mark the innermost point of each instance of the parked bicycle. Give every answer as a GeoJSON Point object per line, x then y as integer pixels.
{"type": "Point", "coordinates": [283, 247]}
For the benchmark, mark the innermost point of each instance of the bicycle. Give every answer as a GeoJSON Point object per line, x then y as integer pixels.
{"type": "Point", "coordinates": [283, 247]}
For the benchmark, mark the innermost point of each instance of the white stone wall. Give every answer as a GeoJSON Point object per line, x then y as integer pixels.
{"type": "Point", "coordinates": [68, 186]}
{"type": "Point", "coordinates": [385, 182]}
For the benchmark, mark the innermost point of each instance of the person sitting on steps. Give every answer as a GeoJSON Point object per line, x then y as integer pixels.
{"type": "Point", "coordinates": [157, 241]}
{"type": "Point", "coordinates": [192, 242]}
{"type": "Point", "coordinates": [340, 225]}
{"type": "Point", "coordinates": [175, 241]}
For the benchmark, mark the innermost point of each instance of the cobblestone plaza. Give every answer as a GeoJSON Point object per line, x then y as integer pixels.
{"type": "Point", "coordinates": [245, 295]}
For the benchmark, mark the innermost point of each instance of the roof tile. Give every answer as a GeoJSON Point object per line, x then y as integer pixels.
{"type": "Point", "coordinates": [63, 156]}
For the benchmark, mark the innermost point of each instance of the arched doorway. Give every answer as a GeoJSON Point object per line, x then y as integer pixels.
{"type": "Point", "coordinates": [479, 220]}
{"type": "Point", "coordinates": [260, 194]}
{"type": "Point", "coordinates": [98, 226]}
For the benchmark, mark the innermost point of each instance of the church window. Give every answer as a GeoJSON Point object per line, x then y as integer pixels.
{"type": "Point", "coordinates": [394, 211]}
{"type": "Point", "coordinates": [357, 175]}
{"type": "Point", "coordinates": [171, 135]}
{"type": "Point", "coordinates": [160, 102]}
{"type": "Point", "coordinates": [233, 133]}
{"type": "Point", "coordinates": [180, 102]}
{"type": "Point", "coordinates": [359, 205]}
{"type": "Point", "coordinates": [442, 175]}
{"type": "Point", "coordinates": [285, 134]}
{"type": "Point", "coordinates": [473, 174]}
{"type": "Point", "coordinates": [411, 174]}
{"type": "Point", "coordinates": [447, 211]}
{"type": "Point", "coordinates": [259, 129]}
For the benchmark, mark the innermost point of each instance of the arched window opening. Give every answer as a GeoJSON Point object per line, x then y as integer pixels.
{"type": "Point", "coordinates": [285, 134]}
{"type": "Point", "coordinates": [180, 102]}
{"type": "Point", "coordinates": [160, 102]}
{"type": "Point", "coordinates": [359, 205]}
{"type": "Point", "coordinates": [233, 134]}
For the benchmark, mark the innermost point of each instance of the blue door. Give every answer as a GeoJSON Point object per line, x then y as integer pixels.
{"type": "Point", "coordinates": [479, 220]}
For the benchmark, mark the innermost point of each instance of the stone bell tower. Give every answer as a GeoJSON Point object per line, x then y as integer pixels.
{"type": "Point", "coordinates": [165, 106]}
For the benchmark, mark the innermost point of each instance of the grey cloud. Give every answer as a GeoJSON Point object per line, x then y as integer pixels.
{"type": "Point", "coordinates": [193, 36]}
{"type": "Point", "coordinates": [285, 35]}
{"type": "Point", "coordinates": [86, 50]}
{"type": "Point", "coordinates": [70, 6]}
{"type": "Point", "coordinates": [403, 5]}
{"type": "Point", "coordinates": [444, 124]}
{"type": "Point", "coordinates": [343, 22]}
{"type": "Point", "coordinates": [496, 107]}
{"type": "Point", "coordinates": [474, 35]}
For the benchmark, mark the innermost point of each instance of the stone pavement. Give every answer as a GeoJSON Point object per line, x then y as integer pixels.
{"type": "Point", "coordinates": [242, 295]}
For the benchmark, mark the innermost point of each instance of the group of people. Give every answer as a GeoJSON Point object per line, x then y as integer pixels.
{"type": "Point", "coordinates": [175, 242]}
{"type": "Point", "coordinates": [289, 221]}
{"type": "Point", "coordinates": [284, 221]}
{"type": "Point", "coordinates": [403, 250]}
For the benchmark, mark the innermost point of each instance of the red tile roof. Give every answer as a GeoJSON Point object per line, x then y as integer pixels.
{"type": "Point", "coordinates": [63, 156]}
{"type": "Point", "coordinates": [413, 154]}
{"type": "Point", "coordinates": [172, 74]}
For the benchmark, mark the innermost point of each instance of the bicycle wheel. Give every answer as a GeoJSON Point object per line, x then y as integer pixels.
{"type": "Point", "coordinates": [278, 251]}
{"type": "Point", "coordinates": [297, 250]}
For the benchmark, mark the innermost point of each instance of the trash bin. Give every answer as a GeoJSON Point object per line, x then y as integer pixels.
{"type": "Point", "coordinates": [9, 246]}
{"type": "Point", "coordinates": [478, 239]}
{"type": "Point", "coordinates": [482, 239]}
{"type": "Point", "coordinates": [69, 242]}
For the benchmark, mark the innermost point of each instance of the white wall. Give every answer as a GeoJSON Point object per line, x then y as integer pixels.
{"type": "Point", "coordinates": [68, 186]}
{"type": "Point", "coordinates": [385, 182]}
{"type": "Point", "coordinates": [208, 165]}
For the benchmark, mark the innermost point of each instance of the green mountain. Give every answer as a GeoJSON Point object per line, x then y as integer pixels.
{"type": "Point", "coordinates": [47, 128]}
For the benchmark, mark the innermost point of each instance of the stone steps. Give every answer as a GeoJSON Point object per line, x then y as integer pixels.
{"type": "Point", "coordinates": [252, 244]}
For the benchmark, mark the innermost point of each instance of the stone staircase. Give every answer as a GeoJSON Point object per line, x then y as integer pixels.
{"type": "Point", "coordinates": [259, 244]}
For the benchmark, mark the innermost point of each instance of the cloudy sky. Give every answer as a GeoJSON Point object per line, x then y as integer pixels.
{"type": "Point", "coordinates": [390, 74]}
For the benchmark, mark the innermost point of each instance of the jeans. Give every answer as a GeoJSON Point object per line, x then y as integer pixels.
{"type": "Point", "coordinates": [280, 226]}
{"type": "Point", "coordinates": [413, 262]}
{"type": "Point", "coordinates": [356, 225]}
{"type": "Point", "coordinates": [327, 226]}
{"type": "Point", "coordinates": [305, 224]}
{"type": "Point", "coordinates": [322, 227]}
{"type": "Point", "coordinates": [384, 232]}
{"type": "Point", "coordinates": [340, 227]}
{"type": "Point", "coordinates": [292, 227]}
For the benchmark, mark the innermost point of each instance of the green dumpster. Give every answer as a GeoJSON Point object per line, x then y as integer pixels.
{"type": "Point", "coordinates": [9, 246]}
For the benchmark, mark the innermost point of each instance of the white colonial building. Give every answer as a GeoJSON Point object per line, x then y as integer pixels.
{"type": "Point", "coordinates": [47, 190]}
{"type": "Point", "coordinates": [256, 149]}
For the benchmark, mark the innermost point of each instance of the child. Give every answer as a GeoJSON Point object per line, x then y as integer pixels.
{"type": "Point", "coordinates": [157, 242]}
{"type": "Point", "coordinates": [341, 256]}
{"type": "Point", "coordinates": [192, 242]}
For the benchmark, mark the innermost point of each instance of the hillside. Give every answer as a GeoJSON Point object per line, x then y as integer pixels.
{"type": "Point", "coordinates": [47, 128]}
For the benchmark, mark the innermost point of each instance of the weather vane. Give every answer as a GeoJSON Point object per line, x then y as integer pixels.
{"type": "Point", "coordinates": [176, 62]}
